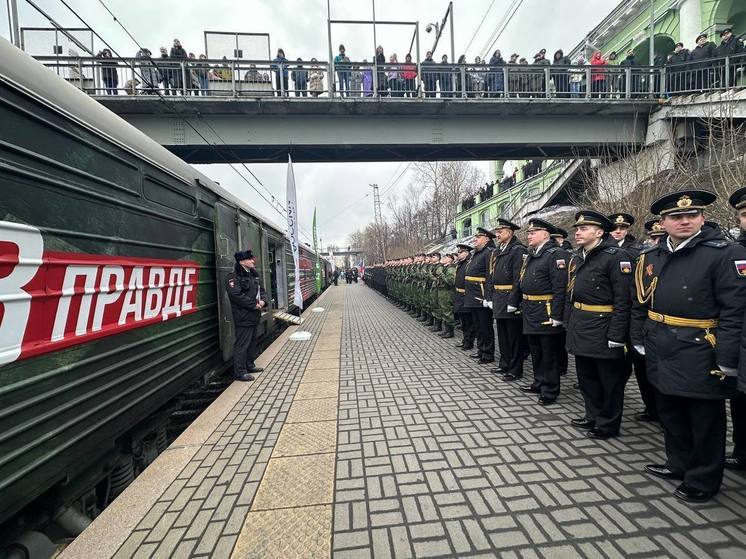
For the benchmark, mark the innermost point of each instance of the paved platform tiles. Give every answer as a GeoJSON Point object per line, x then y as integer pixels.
{"type": "Point", "coordinates": [378, 439]}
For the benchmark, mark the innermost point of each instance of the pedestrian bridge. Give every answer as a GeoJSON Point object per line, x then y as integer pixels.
{"type": "Point", "coordinates": [218, 111]}
{"type": "Point", "coordinates": [219, 130]}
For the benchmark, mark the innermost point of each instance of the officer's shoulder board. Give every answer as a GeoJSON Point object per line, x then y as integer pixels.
{"type": "Point", "coordinates": [611, 250]}
{"type": "Point", "coordinates": [716, 243]}
{"type": "Point", "coordinates": [649, 249]}
{"type": "Point", "coordinates": [551, 250]}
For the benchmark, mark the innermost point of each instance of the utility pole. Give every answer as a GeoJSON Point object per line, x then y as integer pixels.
{"type": "Point", "coordinates": [379, 220]}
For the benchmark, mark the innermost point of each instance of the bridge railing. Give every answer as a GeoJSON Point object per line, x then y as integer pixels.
{"type": "Point", "coordinates": [263, 78]}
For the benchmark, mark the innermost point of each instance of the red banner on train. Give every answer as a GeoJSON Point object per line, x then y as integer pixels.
{"type": "Point", "coordinates": [52, 300]}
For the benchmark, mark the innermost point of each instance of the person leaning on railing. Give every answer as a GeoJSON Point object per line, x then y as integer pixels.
{"type": "Point", "coordinates": [409, 76]}
{"type": "Point", "coordinates": [280, 67]}
{"type": "Point", "coordinates": [396, 84]}
{"type": "Point", "coordinates": [202, 73]}
{"type": "Point", "coordinates": [445, 78]}
{"type": "Point", "coordinates": [109, 74]}
{"type": "Point", "coordinates": [429, 76]}
{"type": "Point", "coordinates": [148, 72]}
{"type": "Point", "coordinates": [578, 78]}
{"type": "Point", "coordinates": [300, 79]}
{"type": "Point", "coordinates": [315, 79]}
{"type": "Point", "coordinates": [366, 75]}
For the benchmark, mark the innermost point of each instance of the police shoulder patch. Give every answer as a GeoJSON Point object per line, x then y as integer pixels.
{"type": "Point", "coordinates": [625, 266]}
{"type": "Point", "coordinates": [740, 267]}
{"type": "Point", "coordinates": [561, 263]}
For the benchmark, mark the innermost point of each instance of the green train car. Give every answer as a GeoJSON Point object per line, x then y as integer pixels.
{"type": "Point", "coordinates": [112, 258]}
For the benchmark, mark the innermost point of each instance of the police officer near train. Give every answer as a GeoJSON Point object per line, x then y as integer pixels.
{"type": "Point", "coordinates": [463, 314]}
{"type": "Point", "coordinates": [597, 316]}
{"type": "Point", "coordinates": [620, 233]}
{"type": "Point", "coordinates": [542, 285]}
{"type": "Point", "coordinates": [505, 268]}
{"type": "Point", "coordinates": [475, 297]}
{"type": "Point", "coordinates": [737, 460]}
{"type": "Point", "coordinates": [687, 321]}
{"type": "Point", "coordinates": [248, 298]}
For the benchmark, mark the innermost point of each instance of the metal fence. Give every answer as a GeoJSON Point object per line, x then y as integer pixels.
{"type": "Point", "coordinates": [262, 78]}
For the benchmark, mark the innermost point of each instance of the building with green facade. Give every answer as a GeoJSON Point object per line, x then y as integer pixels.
{"type": "Point", "coordinates": [626, 27]}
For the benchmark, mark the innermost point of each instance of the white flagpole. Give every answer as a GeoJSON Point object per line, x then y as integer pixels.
{"type": "Point", "coordinates": [292, 208]}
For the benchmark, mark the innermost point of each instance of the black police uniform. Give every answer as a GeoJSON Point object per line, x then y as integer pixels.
{"type": "Point", "coordinates": [475, 281]}
{"type": "Point", "coordinates": [463, 314]}
{"type": "Point", "coordinates": [689, 315]}
{"type": "Point", "coordinates": [505, 268]}
{"type": "Point", "coordinates": [543, 280]}
{"type": "Point", "coordinates": [245, 291]}
{"type": "Point", "coordinates": [598, 311]}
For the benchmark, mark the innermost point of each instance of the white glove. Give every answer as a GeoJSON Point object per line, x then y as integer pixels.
{"type": "Point", "coordinates": [489, 304]}
{"type": "Point", "coordinates": [613, 345]}
{"type": "Point", "coordinates": [555, 323]}
{"type": "Point", "coordinates": [485, 303]}
{"type": "Point", "coordinates": [640, 349]}
{"type": "Point", "coordinates": [511, 308]}
{"type": "Point", "coordinates": [729, 370]}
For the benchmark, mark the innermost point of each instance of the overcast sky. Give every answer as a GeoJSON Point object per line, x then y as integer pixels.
{"type": "Point", "coordinates": [299, 27]}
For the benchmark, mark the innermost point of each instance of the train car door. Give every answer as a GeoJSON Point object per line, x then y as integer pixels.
{"type": "Point", "coordinates": [278, 273]}
{"type": "Point", "coordinates": [226, 244]}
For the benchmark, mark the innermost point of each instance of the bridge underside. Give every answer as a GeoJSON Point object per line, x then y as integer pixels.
{"type": "Point", "coordinates": [203, 130]}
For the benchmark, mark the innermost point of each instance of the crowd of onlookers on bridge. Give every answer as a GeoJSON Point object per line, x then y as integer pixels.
{"type": "Point", "coordinates": [177, 71]}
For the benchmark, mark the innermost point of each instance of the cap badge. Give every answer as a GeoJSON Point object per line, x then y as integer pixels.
{"type": "Point", "coordinates": [619, 219]}
{"type": "Point", "coordinates": [581, 218]}
{"type": "Point", "coordinates": [684, 202]}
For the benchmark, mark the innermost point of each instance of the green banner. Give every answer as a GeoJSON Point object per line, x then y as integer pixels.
{"type": "Point", "coordinates": [318, 258]}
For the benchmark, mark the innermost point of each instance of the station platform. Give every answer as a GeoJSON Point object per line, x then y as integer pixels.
{"type": "Point", "coordinates": [376, 438]}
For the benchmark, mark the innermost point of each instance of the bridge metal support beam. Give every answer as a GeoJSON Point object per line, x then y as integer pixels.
{"type": "Point", "coordinates": [263, 138]}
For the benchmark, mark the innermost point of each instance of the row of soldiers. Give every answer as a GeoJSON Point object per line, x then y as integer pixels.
{"type": "Point", "coordinates": [672, 308]}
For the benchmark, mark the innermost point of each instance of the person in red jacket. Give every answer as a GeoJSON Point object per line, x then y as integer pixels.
{"type": "Point", "coordinates": [409, 75]}
{"type": "Point", "coordinates": [598, 75]}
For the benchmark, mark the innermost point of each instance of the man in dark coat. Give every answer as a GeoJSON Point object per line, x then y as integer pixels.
{"type": "Point", "coordinates": [677, 73]}
{"type": "Point", "coordinates": [687, 321]}
{"type": "Point", "coordinates": [559, 236]}
{"type": "Point", "coordinates": [729, 45]}
{"type": "Point", "coordinates": [737, 460]}
{"type": "Point", "coordinates": [505, 268]}
{"type": "Point", "coordinates": [624, 239]}
{"type": "Point", "coordinates": [597, 317]}
{"type": "Point", "coordinates": [463, 314]}
{"type": "Point", "coordinates": [429, 75]}
{"type": "Point", "coordinates": [561, 77]}
{"type": "Point", "coordinates": [248, 298]}
{"type": "Point", "coordinates": [475, 297]}
{"type": "Point", "coordinates": [700, 62]}
{"type": "Point", "coordinates": [543, 281]}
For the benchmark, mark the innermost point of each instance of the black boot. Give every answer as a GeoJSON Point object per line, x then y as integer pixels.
{"type": "Point", "coordinates": [422, 317]}
{"type": "Point", "coordinates": [447, 333]}
{"type": "Point", "coordinates": [430, 320]}
{"type": "Point", "coordinates": [436, 327]}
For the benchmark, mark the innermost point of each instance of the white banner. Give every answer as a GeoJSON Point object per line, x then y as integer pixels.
{"type": "Point", "coordinates": [292, 207]}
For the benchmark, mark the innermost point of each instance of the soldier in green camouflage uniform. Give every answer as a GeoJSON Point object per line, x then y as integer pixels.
{"type": "Point", "coordinates": [424, 301]}
{"type": "Point", "coordinates": [432, 292]}
{"type": "Point", "coordinates": [445, 295]}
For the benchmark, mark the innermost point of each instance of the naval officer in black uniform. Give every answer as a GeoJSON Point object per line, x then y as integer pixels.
{"type": "Point", "coordinates": [542, 284]}
{"type": "Point", "coordinates": [464, 315]}
{"type": "Point", "coordinates": [475, 298]}
{"type": "Point", "coordinates": [505, 267]}
{"type": "Point", "coordinates": [737, 460]}
{"type": "Point", "coordinates": [687, 321]}
{"type": "Point", "coordinates": [620, 233]}
{"type": "Point", "coordinates": [597, 317]}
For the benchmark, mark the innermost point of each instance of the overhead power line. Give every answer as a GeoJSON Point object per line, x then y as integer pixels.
{"type": "Point", "coordinates": [484, 18]}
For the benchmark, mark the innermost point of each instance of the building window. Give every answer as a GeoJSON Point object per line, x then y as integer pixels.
{"type": "Point", "coordinates": [466, 227]}
{"type": "Point", "coordinates": [484, 218]}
